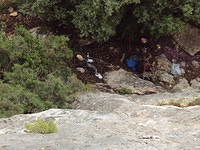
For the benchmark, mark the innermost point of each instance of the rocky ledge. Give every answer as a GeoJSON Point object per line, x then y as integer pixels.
{"type": "Point", "coordinates": [105, 121]}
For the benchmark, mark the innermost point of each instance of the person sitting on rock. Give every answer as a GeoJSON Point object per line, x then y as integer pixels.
{"type": "Point", "coordinates": [144, 45]}
{"type": "Point", "coordinates": [86, 63]}
{"type": "Point", "coordinates": [145, 51]}
{"type": "Point", "coordinates": [138, 61]}
{"type": "Point", "coordinates": [132, 62]}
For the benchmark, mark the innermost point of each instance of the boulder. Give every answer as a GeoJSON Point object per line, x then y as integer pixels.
{"type": "Point", "coordinates": [122, 79]}
{"type": "Point", "coordinates": [189, 39]}
{"type": "Point", "coordinates": [162, 63]}
{"type": "Point", "coordinates": [165, 77]}
{"type": "Point", "coordinates": [195, 83]}
{"type": "Point", "coordinates": [181, 85]}
{"type": "Point", "coordinates": [196, 64]}
{"type": "Point", "coordinates": [161, 69]}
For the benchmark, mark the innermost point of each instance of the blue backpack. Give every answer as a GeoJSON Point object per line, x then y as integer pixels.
{"type": "Point", "coordinates": [132, 62]}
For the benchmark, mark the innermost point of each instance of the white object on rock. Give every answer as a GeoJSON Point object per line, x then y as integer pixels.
{"type": "Point", "coordinates": [90, 60]}
{"type": "Point", "coordinates": [98, 75]}
{"type": "Point", "coordinates": [176, 70]}
{"type": "Point", "coordinates": [82, 70]}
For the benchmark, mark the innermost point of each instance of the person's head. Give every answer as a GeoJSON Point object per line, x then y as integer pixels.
{"type": "Point", "coordinates": [174, 61]}
{"type": "Point", "coordinates": [79, 57]}
{"type": "Point", "coordinates": [143, 40]}
{"type": "Point", "coordinates": [158, 46]}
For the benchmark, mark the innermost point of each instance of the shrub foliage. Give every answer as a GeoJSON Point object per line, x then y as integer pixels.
{"type": "Point", "coordinates": [124, 91]}
{"type": "Point", "coordinates": [42, 126]}
{"type": "Point", "coordinates": [35, 74]}
{"type": "Point", "coordinates": [101, 19]}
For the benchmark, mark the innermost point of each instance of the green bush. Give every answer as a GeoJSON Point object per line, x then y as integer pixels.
{"type": "Point", "coordinates": [160, 17]}
{"type": "Point", "coordinates": [8, 108]}
{"type": "Point", "coordinates": [124, 91]}
{"type": "Point", "coordinates": [42, 126]}
{"type": "Point", "coordinates": [43, 57]}
{"type": "Point", "coordinates": [36, 73]}
{"type": "Point", "coordinates": [101, 19]}
{"type": "Point", "coordinates": [97, 19]}
{"type": "Point", "coordinates": [15, 99]}
{"type": "Point", "coordinates": [52, 89]}
{"type": "Point", "coordinates": [2, 26]}
{"type": "Point", "coordinates": [57, 10]}
{"type": "Point", "coordinates": [166, 25]}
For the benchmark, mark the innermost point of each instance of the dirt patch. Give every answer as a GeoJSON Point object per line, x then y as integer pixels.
{"type": "Point", "coordinates": [12, 22]}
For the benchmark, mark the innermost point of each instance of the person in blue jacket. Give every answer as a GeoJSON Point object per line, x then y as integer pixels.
{"type": "Point", "coordinates": [139, 62]}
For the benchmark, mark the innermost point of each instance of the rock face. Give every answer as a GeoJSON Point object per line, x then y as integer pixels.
{"type": "Point", "coordinates": [189, 39]}
{"type": "Point", "coordinates": [181, 85]}
{"type": "Point", "coordinates": [166, 77]}
{"type": "Point", "coordinates": [113, 122]}
{"type": "Point", "coordinates": [163, 64]}
{"type": "Point", "coordinates": [161, 73]}
{"type": "Point", "coordinates": [196, 83]}
{"type": "Point", "coordinates": [122, 79]}
{"type": "Point", "coordinates": [196, 64]}
{"type": "Point", "coordinates": [165, 97]}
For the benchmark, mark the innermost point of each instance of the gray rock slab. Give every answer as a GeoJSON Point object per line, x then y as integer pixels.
{"type": "Point", "coordinates": [112, 122]}
{"type": "Point", "coordinates": [192, 46]}
{"type": "Point", "coordinates": [122, 79]}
